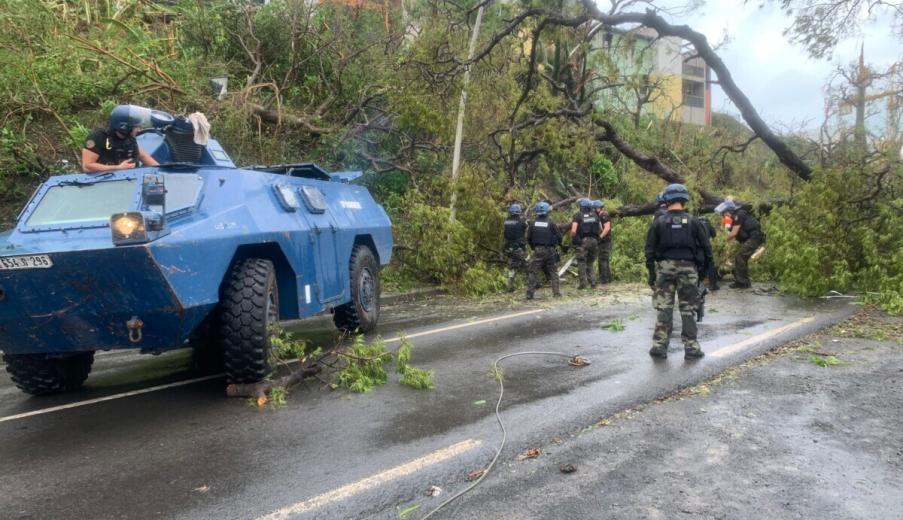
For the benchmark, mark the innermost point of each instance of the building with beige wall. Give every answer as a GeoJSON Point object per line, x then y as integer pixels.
{"type": "Point", "coordinates": [677, 84]}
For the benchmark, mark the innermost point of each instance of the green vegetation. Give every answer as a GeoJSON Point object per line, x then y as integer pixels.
{"type": "Point", "coordinates": [365, 366]}
{"type": "Point", "coordinates": [824, 361]}
{"type": "Point", "coordinates": [615, 326]}
{"type": "Point", "coordinates": [359, 88]}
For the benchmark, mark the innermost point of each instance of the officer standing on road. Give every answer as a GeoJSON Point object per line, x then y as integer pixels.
{"type": "Point", "coordinates": [585, 229]}
{"type": "Point", "coordinates": [604, 242]}
{"type": "Point", "coordinates": [515, 243]}
{"type": "Point", "coordinates": [115, 147]}
{"type": "Point", "coordinates": [543, 237]}
{"type": "Point", "coordinates": [746, 230]}
{"type": "Point", "coordinates": [673, 253]}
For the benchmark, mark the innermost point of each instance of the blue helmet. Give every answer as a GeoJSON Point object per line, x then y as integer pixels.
{"type": "Point", "coordinates": [542, 208]}
{"type": "Point", "coordinates": [598, 203]}
{"type": "Point", "coordinates": [727, 205]}
{"type": "Point", "coordinates": [515, 209]}
{"type": "Point", "coordinates": [676, 192]}
{"type": "Point", "coordinates": [125, 117]}
{"type": "Point", "coordinates": [585, 203]}
{"type": "Point", "coordinates": [660, 198]}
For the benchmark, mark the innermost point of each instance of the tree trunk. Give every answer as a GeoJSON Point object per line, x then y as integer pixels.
{"type": "Point", "coordinates": [652, 20]}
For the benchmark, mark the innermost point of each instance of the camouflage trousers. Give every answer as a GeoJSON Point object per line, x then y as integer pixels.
{"type": "Point", "coordinates": [516, 259]}
{"type": "Point", "coordinates": [545, 260]}
{"type": "Point", "coordinates": [680, 278]}
{"type": "Point", "coordinates": [586, 257]}
{"type": "Point", "coordinates": [604, 259]}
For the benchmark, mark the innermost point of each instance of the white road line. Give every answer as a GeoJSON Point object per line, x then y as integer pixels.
{"type": "Point", "coordinates": [737, 347]}
{"type": "Point", "coordinates": [107, 398]}
{"type": "Point", "coordinates": [207, 378]}
{"type": "Point", "coordinates": [464, 325]}
{"type": "Point", "coordinates": [373, 481]}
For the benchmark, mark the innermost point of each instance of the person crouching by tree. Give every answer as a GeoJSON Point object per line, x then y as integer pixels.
{"type": "Point", "coordinates": [515, 243]}
{"type": "Point", "coordinates": [673, 256]}
{"type": "Point", "coordinates": [585, 230]}
{"type": "Point", "coordinates": [115, 147]}
{"type": "Point", "coordinates": [604, 242]}
{"type": "Point", "coordinates": [543, 237]}
{"type": "Point", "coordinates": [748, 232]}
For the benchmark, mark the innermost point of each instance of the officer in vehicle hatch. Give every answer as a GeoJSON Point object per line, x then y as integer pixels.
{"type": "Point", "coordinates": [543, 237]}
{"type": "Point", "coordinates": [746, 230]}
{"type": "Point", "coordinates": [515, 243]}
{"type": "Point", "coordinates": [677, 245]}
{"type": "Point", "coordinates": [585, 231]}
{"type": "Point", "coordinates": [115, 148]}
{"type": "Point", "coordinates": [604, 242]}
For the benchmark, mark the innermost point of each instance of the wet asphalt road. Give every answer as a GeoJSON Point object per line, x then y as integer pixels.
{"type": "Point", "coordinates": [189, 452]}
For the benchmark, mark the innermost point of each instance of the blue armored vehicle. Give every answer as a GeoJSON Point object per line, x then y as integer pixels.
{"type": "Point", "coordinates": [195, 251]}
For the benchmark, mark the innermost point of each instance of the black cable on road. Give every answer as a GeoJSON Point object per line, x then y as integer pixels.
{"type": "Point", "coordinates": [574, 360]}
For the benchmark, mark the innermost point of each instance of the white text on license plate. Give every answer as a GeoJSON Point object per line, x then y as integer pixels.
{"type": "Point", "coordinates": [25, 262]}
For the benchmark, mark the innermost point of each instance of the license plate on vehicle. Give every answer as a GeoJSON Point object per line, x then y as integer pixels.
{"type": "Point", "coordinates": [8, 263]}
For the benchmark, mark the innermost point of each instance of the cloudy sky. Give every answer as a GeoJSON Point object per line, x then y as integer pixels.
{"type": "Point", "coordinates": [784, 84]}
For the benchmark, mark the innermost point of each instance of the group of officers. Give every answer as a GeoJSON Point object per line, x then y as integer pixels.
{"type": "Point", "coordinates": [678, 256]}
{"type": "Point", "coordinates": [590, 233]}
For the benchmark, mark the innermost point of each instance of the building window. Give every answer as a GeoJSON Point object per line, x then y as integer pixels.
{"type": "Point", "coordinates": [693, 93]}
{"type": "Point", "coordinates": [693, 70]}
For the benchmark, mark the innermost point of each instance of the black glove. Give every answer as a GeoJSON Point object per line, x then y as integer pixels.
{"type": "Point", "coordinates": [650, 266]}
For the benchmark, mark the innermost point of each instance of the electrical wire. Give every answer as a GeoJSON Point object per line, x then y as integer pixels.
{"type": "Point", "coordinates": [574, 361]}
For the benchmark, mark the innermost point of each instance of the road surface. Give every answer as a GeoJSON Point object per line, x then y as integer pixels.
{"type": "Point", "coordinates": [147, 438]}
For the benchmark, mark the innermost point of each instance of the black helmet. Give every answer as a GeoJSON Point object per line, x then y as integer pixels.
{"type": "Point", "coordinates": [676, 192]}
{"type": "Point", "coordinates": [125, 117]}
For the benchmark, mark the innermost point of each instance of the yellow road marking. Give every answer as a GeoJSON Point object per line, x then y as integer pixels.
{"type": "Point", "coordinates": [737, 347]}
{"type": "Point", "coordinates": [374, 480]}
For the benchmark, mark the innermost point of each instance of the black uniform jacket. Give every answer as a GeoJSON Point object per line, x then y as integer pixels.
{"type": "Point", "coordinates": [111, 148]}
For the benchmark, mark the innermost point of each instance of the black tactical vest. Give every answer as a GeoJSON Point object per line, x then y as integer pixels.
{"type": "Point", "coordinates": [675, 236]}
{"type": "Point", "coordinates": [541, 233]}
{"type": "Point", "coordinates": [514, 230]}
{"type": "Point", "coordinates": [749, 227]}
{"type": "Point", "coordinates": [588, 225]}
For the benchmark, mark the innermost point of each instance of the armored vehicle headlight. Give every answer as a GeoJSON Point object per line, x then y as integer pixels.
{"type": "Point", "coordinates": [128, 228]}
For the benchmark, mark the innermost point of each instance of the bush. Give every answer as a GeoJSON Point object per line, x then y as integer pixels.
{"type": "Point", "coordinates": [833, 239]}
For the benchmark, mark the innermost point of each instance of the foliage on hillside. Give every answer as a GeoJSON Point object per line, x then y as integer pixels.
{"type": "Point", "coordinates": [355, 89]}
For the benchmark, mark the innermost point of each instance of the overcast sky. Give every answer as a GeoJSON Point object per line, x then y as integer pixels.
{"type": "Point", "coordinates": [783, 83]}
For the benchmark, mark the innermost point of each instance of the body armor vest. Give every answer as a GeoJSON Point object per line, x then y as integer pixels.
{"type": "Point", "coordinates": [588, 225]}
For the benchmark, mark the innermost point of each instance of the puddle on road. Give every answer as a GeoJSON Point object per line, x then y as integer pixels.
{"type": "Point", "coordinates": [455, 409]}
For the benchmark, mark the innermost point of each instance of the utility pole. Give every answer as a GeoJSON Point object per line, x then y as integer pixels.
{"type": "Point", "coordinates": [459, 131]}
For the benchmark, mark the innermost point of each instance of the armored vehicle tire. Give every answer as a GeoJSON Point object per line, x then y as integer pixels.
{"type": "Point", "coordinates": [42, 374]}
{"type": "Point", "coordinates": [249, 307]}
{"type": "Point", "coordinates": [362, 312]}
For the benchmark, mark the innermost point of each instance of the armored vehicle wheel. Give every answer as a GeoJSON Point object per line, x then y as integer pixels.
{"type": "Point", "coordinates": [362, 312]}
{"type": "Point", "coordinates": [249, 307]}
{"type": "Point", "coordinates": [42, 374]}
